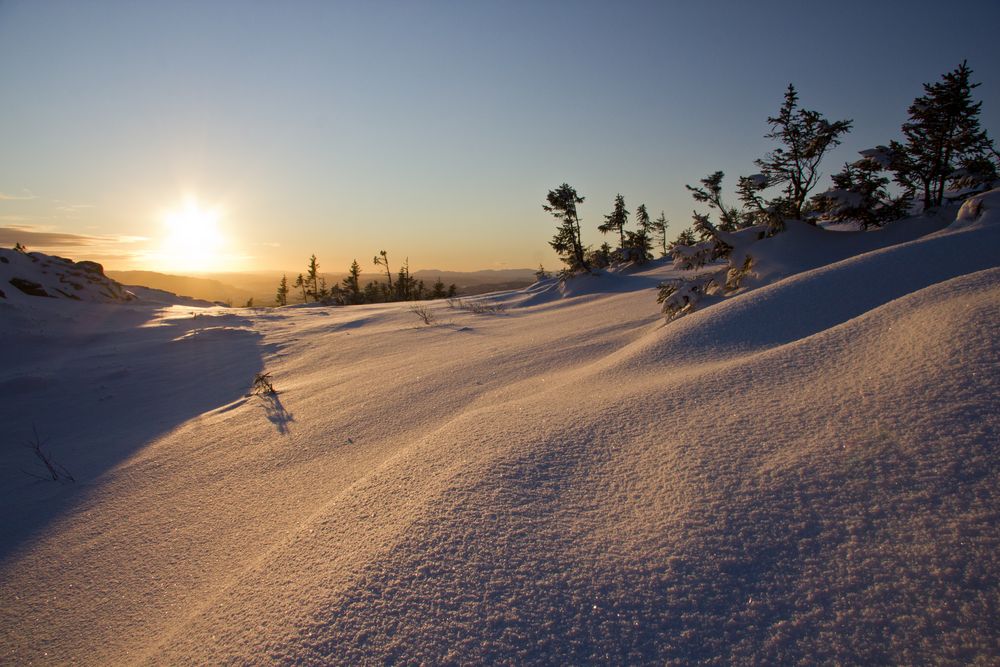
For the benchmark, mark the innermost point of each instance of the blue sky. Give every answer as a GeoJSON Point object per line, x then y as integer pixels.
{"type": "Point", "coordinates": [430, 129]}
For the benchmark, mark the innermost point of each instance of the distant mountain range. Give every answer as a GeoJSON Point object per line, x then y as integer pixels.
{"type": "Point", "coordinates": [238, 288]}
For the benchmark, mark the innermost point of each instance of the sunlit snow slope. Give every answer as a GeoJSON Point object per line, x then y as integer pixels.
{"type": "Point", "coordinates": [806, 472]}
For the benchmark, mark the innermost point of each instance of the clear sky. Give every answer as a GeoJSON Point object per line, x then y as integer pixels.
{"type": "Point", "coordinates": [430, 129]}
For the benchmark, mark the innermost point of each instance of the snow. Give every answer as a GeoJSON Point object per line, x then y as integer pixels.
{"type": "Point", "coordinates": [61, 278]}
{"type": "Point", "coordinates": [880, 156]}
{"type": "Point", "coordinates": [803, 472]}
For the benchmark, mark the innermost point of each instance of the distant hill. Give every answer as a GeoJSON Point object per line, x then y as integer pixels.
{"type": "Point", "coordinates": [198, 288]}
{"type": "Point", "coordinates": [477, 282]}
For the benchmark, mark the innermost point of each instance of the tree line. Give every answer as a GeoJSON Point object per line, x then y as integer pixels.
{"type": "Point", "coordinates": [311, 286]}
{"type": "Point", "coordinates": [944, 155]}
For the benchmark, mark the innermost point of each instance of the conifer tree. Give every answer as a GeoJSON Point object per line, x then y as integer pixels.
{"type": "Point", "coordinates": [805, 137]}
{"type": "Point", "coordinates": [405, 283]}
{"type": "Point", "coordinates": [281, 297]}
{"type": "Point", "coordinates": [352, 283]}
{"type": "Point", "coordinates": [859, 194]}
{"type": "Point", "coordinates": [600, 258]}
{"type": "Point", "coordinates": [616, 220]}
{"type": "Point", "coordinates": [710, 192]}
{"type": "Point", "coordinates": [568, 241]}
{"type": "Point", "coordinates": [659, 227]}
{"type": "Point", "coordinates": [373, 292]}
{"type": "Point", "coordinates": [638, 244]}
{"type": "Point", "coordinates": [301, 282]}
{"type": "Point", "coordinates": [452, 290]}
{"type": "Point", "coordinates": [642, 218]}
{"type": "Point", "coordinates": [686, 237]}
{"type": "Point", "coordinates": [941, 135]}
{"type": "Point", "coordinates": [312, 278]}
{"type": "Point", "coordinates": [439, 291]}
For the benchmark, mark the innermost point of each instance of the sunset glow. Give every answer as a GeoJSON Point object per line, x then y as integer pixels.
{"type": "Point", "coordinates": [193, 240]}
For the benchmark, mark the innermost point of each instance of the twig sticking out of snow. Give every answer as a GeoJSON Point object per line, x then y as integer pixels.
{"type": "Point", "coordinates": [262, 385]}
{"type": "Point", "coordinates": [56, 471]}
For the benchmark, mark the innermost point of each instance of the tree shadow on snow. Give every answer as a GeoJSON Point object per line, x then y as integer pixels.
{"type": "Point", "coordinates": [276, 412]}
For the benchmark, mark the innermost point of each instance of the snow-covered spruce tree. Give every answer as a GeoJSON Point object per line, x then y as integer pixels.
{"type": "Point", "coordinates": [943, 140]}
{"type": "Point", "coordinates": [567, 241]}
{"type": "Point", "coordinates": [860, 194]}
{"type": "Point", "coordinates": [693, 255]}
{"type": "Point", "coordinates": [805, 137]}
{"type": "Point", "coordinates": [686, 237]}
{"type": "Point", "coordinates": [681, 296]}
{"type": "Point", "coordinates": [616, 220]}
{"type": "Point", "coordinates": [601, 257]}
{"type": "Point", "coordinates": [710, 192]}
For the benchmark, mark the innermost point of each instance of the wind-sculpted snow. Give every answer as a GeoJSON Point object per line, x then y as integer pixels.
{"type": "Point", "coordinates": [804, 473]}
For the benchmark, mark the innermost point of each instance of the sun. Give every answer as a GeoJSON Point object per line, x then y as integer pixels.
{"type": "Point", "coordinates": [193, 240]}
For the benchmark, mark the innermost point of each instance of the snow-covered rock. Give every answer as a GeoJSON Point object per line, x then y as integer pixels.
{"type": "Point", "coordinates": [35, 274]}
{"type": "Point", "coordinates": [26, 276]}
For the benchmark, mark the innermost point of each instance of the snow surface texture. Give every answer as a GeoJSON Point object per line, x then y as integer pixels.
{"type": "Point", "coordinates": [804, 473]}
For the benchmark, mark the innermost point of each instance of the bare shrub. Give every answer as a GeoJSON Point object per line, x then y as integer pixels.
{"type": "Point", "coordinates": [477, 307]}
{"type": "Point", "coordinates": [425, 315]}
{"type": "Point", "coordinates": [262, 385]}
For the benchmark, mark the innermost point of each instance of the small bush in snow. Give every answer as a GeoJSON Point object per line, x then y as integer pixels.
{"type": "Point", "coordinates": [425, 315]}
{"type": "Point", "coordinates": [680, 296]}
{"type": "Point", "coordinates": [262, 385]}
{"type": "Point", "coordinates": [477, 307]}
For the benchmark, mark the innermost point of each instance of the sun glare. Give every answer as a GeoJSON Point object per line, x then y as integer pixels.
{"type": "Point", "coordinates": [193, 240]}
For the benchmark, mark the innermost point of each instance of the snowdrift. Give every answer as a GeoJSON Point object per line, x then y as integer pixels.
{"type": "Point", "coordinates": [806, 472]}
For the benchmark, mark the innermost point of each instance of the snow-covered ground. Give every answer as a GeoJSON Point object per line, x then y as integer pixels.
{"type": "Point", "coordinates": [805, 472]}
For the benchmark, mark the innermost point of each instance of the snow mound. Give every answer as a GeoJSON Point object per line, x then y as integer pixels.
{"type": "Point", "coordinates": [615, 280]}
{"type": "Point", "coordinates": [980, 210]}
{"type": "Point", "coordinates": [802, 247]}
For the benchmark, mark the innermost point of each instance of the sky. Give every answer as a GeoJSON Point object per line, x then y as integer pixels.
{"type": "Point", "coordinates": [244, 136]}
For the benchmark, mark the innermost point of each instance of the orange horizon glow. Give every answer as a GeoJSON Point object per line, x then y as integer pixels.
{"type": "Point", "coordinates": [194, 239]}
